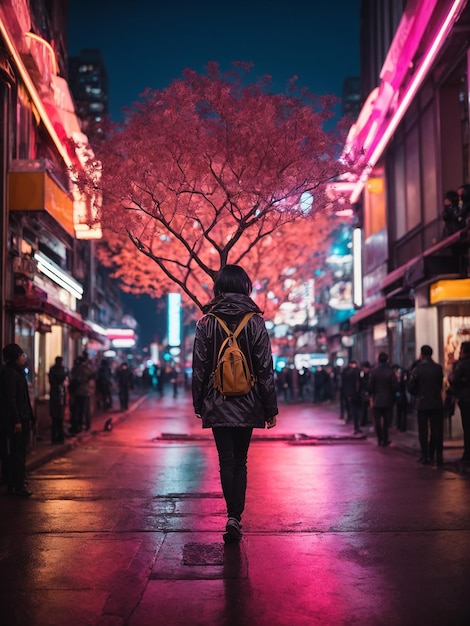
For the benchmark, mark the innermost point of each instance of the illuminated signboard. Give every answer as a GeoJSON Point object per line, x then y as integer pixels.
{"type": "Point", "coordinates": [174, 319]}
{"type": "Point", "coordinates": [121, 337]}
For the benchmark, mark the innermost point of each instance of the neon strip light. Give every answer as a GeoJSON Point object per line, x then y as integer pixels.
{"type": "Point", "coordinates": [174, 319]}
{"type": "Point", "coordinates": [410, 93]}
{"type": "Point", "coordinates": [120, 333]}
{"type": "Point", "coordinates": [58, 276]}
{"type": "Point", "coordinates": [357, 267]}
{"type": "Point", "coordinates": [34, 95]}
{"type": "Point", "coordinates": [97, 328]}
{"type": "Point", "coordinates": [45, 43]}
{"type": "Point", "coordinates": [123, 343]}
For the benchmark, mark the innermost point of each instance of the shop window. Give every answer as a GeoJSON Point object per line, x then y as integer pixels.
{"type": "Point", "coordinates": [413, 187]}
{"type": "Point", "coordinates": [374, 203]}
{"type": "Point", "coordinates": [454, 157]}
{"type": "Point", "coordinates": [428, 166]}
{"type": "Point", "coordinates": [399, 191]}
{"type": "Point", "coordinates": [26, 136]}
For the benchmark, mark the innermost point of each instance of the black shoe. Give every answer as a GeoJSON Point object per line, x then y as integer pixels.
{"type": "Point", "coordinates": [423, 460]}
{"type": "Point", "coordinates": [233, 531]}
{"type": "Point", "coordinates": [358, 431]}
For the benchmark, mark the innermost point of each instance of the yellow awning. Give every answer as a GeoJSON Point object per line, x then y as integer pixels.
{"type": "Point", "coordinates": [37, 191]}
{"type": "Point", "coordinates": [449, 290]}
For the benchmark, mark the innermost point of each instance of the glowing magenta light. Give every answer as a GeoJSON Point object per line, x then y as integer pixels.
{"type": "Point", "coordinates": [382, 140]}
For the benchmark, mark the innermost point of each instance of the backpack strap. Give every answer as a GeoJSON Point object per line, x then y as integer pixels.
{"type": "Point", "coordinates": [222, 323]}
{"type": "Point", "coordinates": [233, 334]}
{"type": "Point", "coordinates": [242, 324]}
{"type": "Point", "coordinates": [238, 329]}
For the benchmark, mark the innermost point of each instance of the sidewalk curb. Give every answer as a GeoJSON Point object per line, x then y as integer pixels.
{"type": "Point", "coordinates": [44, 456]}
{"type": "Point", "coordinates": [294, 439]}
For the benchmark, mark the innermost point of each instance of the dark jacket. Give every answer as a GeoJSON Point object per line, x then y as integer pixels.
{"type": "Point", "coordinates": [425, 383]}
{"type": "Point", "coordinates": [260, 404]}
{"type": "Point", "coordinates": [460, 380]}
{"type": "Point", "coordinates": [16, 404]}
{"type": "Point", "coordinates": [57, 376]}
{"type": "Point", "coordinates": [80, 378]}
{"type": "Point", "coordinates": [125, 378]}
{"type": "Point", "coordinates": [383, 386]}
{"type": "Point", "coordinates": [351, 383]}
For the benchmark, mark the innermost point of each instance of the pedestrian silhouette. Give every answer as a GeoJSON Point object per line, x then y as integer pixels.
{"type": "Point", "coordinates": [16, 419]}
{"type": "Point", "coordinates": [232, 419]}
{"type": "Point", "coordinates": [57, 377]}
{"type": "Point", "coordinates": [425, 383]}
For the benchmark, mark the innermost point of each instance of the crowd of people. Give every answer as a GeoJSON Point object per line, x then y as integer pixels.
{"type": "Point", "coordinates": [382, 397]}
{"type": "Point", "coordinates": [379, 396]}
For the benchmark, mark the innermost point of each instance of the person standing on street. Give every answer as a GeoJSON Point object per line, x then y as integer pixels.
{"type": "Point", "coordinates": [232, 419]}
{"type": "Point", "coordinates": [351, 384]}
{"type": "Point", "coordinates": [17, 418]}
{"type": "Point", "coordinates": [125, 380]}
{"type": "Point", "coordinates": [364, 392]}
{"type": "Point", "coordinates": [460, 387]}
{"type": "Point", "coordinates": [104, 385]}
{"type": "Point", "coordinates": [425, 383]}
{"type": "Point", "coordinates": [82, 374]}
{"type": "Point", "coordinates": [57, 377]}
{"type": "Point", "coordinates": [402, 400]}
{"type": "Point", "coordinates": [383, 386]}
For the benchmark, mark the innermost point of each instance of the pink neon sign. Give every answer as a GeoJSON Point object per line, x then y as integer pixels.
{"type": "Point", "coordinates": [374, 135]}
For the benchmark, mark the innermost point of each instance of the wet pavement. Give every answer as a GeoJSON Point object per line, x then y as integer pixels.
{"type": "Point", "coordinates": [125, 528]}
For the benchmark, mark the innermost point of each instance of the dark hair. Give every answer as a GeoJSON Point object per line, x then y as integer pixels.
{"type": "Point", "coordinates": [232, 279]}
{"type": "Point", "coordinates": [452, 195]}
{"type": "Point", "coordinates": [465, 347]}
{"type": "Point", "coordinates": [59, 360]}
{"type": "Point", "coordinates": [426, 351]}
{"type": "Point", "coordinates": [12, 352]}
{"type": "Point", "coordinates": [383, 357]}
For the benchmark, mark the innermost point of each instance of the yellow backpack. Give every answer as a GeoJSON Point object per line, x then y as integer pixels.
{"type": "Point", "coordinates": [232, 375]}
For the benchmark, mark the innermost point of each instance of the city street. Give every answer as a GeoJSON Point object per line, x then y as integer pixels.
{"type": "Point", "coordinates": [126, 528]}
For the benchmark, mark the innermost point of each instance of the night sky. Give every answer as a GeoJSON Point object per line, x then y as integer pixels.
{"type": "Point", "coordinates": [149, 43]}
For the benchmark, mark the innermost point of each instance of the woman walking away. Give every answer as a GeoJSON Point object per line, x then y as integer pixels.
{"type": "Point", "coordinates": [233, 417]}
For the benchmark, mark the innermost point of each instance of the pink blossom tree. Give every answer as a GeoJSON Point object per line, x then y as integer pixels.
{"type": "Point", "coordinates": [211, 171]}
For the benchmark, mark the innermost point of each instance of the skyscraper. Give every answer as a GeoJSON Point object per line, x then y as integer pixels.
{"type": "Point", "coordinates": [89, 84]}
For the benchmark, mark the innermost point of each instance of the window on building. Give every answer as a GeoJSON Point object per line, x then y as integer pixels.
{"type": "Point", "coordinates": [375, 203]}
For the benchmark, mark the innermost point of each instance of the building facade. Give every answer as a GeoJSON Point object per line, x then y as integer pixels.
{"type": "Point", "coordinates": [409, 146]}
{"type": "Point", "coordinates": [89, 85]}
{"type": "Point", "coordinates": [45, 231]}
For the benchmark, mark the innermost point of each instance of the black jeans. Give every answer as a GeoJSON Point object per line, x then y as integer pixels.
{"type": "Point", "coordinates": [431, 433]}
{"type": "Point", "coordinates": [382, 418]}
{"type": "Point", "coordinates": [14, 449]}
{"type": "Point", "coordinates": [232, 446]}
{"type": "Point", "coordinates": [81, 413]}
{"type": "Point", "coordinates": [353, 411]}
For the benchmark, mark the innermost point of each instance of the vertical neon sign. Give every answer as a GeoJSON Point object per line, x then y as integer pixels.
{"type": "Point", "coordinates": [174, 319]}
{"type": "Point", "coordinates": [357, 267]}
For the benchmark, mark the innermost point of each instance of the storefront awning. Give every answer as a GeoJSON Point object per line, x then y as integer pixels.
{"type": "Point", "coordinates": [35, 190]}
{"type": "Point", "coordinates": [379, 305]}
{"type": "Point", "coordinates": [406, 268]}
{"type": "Point", "coordinates": [38, 305]}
